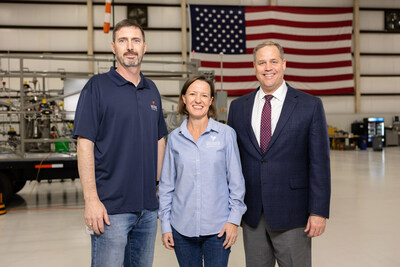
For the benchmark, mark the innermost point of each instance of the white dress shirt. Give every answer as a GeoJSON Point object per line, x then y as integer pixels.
{"type": "Point", "coordinates": [276, 108]}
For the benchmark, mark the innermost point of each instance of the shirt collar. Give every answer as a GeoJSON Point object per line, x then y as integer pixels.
{"type": "Point", "coordinates": [212, 125]}
{"type": "Point", "coordinates": [279, 94]}
{"type": "Point", "coordinates": [120, 81]}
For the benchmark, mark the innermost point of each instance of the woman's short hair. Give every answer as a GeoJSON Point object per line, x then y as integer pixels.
{"type": "Point", "coordinates": [212, 111]}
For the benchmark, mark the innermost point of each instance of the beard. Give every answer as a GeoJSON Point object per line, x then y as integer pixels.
{"type": "Point", "coordinates": [127, 62]}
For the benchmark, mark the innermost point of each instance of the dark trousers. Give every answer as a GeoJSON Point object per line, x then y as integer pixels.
{"type": "Point", "coordinates": [191, 250]}
{"type": "Point", "coordinates": [264, 246]}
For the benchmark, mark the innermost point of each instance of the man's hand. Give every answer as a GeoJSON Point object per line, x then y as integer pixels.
{"type": "Point", "coordinates": [315, 225]}
{"type": "Point", "coordinates": [96, 215]}
{"type": "Point", "coordinates": [168, 240]}
{"type": "Point", "coordinates": [231, 231]}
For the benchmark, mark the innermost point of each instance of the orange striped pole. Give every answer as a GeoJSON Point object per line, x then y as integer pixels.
{"type": "Point", "coordinates": [107, 17]}
{"type": "Point", "coordinates": [2, 205]}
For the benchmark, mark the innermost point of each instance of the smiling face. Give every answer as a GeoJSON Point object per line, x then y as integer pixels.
{"type": "Point", "coordinates": [129, 47]}
{"type": "Point", "coordinates": [269, 68]}
{"type": "Point", "coordinates": [198, 99]}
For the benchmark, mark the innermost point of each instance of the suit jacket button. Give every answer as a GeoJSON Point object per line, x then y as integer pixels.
{"type": "Point", "coordinates": [263, 161]}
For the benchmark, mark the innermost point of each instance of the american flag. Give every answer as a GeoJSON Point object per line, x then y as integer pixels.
{"type": "Point", "coordinates": [316, 42]}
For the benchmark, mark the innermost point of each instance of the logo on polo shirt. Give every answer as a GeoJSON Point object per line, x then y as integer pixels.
{"type": "Point", "coordinates": [153, 106]}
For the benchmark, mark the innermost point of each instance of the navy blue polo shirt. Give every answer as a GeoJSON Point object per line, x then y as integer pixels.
{"type": "Point", "coordinates": [125, 123]}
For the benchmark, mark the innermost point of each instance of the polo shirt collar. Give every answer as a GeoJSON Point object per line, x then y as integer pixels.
{"type": "Point", "coordinates": [120, 81]}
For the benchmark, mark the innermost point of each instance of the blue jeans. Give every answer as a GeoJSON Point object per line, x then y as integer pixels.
{"type": "Point", "coordinates": [190, 251]}
{"type": "Point", "coordinates": [128, 241]}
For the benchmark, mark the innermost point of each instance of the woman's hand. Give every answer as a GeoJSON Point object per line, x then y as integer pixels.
{"type": "Point", "coordinates": [231, 232]}
{"type": "Point", "coordinates": [168, 240]}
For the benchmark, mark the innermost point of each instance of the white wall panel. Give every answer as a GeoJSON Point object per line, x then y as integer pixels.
{"type": "Point", "coordinates": [46, 40]}
{"type": "Point", "coordinates": [168, 88]}
{"type": "Point", "coordinates": [380, 3]}
{"type": "Point", "coordinates": [102, 41]}
{"type": "Point", "coordinates": [380, 65]}
{"type": "Point", "coordinates": [372, 20]}
{"type": "Point", "coordinates": [380, 104]}
{"type": "Point", "coordinates": [43, 15]}
{"type": "Point", "coordinates": [164, 17]}
{"type": "Point", "coordinates": [379, 85]}
{"type": "Point", "coordinates": [379, 43]}
{"type": "Point", "coordinates": [163, 41]}
{"type": "Point", "coordinates": [338, 104]}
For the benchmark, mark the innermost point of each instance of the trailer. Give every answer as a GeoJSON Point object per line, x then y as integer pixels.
{"type": "Point", "coordinates": [16, 170]}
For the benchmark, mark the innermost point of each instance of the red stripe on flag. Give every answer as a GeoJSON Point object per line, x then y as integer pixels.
{"type": "Point", "coordinates": [289, 64]}
{"type": "Point", "coordinates": [306, 79]}
{"type": "Point", "coordinates": [320, 65]}
{"type": "Point", "coordinates": [311, 52]}
{"type": "Point", "coordinates": [299, 10]}
{"type": "Point", "coordinates": [299, 24]}
{"type": "Point", "coordinates": [289, 78]}
{"type": "Point", "coordinates": [230, 79]}
{"type": "Point", "coordinates": [300, 38]}
{"type": "Point", "coordinates": [340, 91]}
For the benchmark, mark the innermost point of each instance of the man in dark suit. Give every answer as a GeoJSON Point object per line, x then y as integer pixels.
{"type": "Point", "coordinates": [284, 146]}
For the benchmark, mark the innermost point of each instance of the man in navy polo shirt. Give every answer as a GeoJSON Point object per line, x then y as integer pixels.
{"type": "Point", "coordinates": [120, 127]}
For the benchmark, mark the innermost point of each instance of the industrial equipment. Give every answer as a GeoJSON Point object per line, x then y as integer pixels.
{"type": "Point", "coordinates": [36, 120]}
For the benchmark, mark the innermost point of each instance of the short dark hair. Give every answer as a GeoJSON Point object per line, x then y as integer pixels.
{"type": "Point", "coordinates": [212, 111]}
{"type": "Point", "coordinates": [127, 23]}
{"type": "Point", "coordinates": [268, 43]}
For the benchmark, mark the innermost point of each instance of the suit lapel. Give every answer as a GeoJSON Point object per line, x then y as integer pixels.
{"type": "Point", "coordinates": [248, 110]}
{"type": "Point", "coordinates": [287, 109]}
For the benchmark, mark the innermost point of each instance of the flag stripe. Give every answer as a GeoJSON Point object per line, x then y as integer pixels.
{"type": "Point", "coordinates": [289, 57]}
{"type": "Point", "coordinates": [294, 78]}
{"type": "Point", "coordinates": [309, 52]}
{"type": "Point", "coordinates": [298, 17]}
{"type": "Point", "coordinates": [298, 31]}
{"type": "Point", "coordinates": [299, 65]}
{"type": "Point", "coordinates": [296, 24]}
{"type": "Point", "coordinates": [289, 71]}
{"type": "Point", "coordinates": [341, 91]}
{"type": "Point", "coordinates": [303, 38]}
{"type": "Point", "coordinates": [298, 85]}
{"type": "Point", "coordinates": [299, 10]}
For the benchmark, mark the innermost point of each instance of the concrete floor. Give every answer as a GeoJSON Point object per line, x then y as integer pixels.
{"type": "Point", "coordinates": [44, 225]}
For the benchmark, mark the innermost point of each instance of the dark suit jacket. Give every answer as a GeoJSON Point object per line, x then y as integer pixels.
{"type": "Point", "coordinates": [291, 180]}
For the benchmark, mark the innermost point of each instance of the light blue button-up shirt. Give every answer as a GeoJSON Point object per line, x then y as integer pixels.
{"type": "Point", "coordinates": [202, 185]}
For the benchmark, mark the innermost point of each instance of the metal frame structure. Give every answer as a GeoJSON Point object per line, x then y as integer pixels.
{"type": "Point", "coordinates": [21, 166]}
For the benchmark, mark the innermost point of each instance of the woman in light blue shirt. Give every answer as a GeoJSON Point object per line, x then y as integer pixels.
{"type": "Point", "coordinates": [202, 186]}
